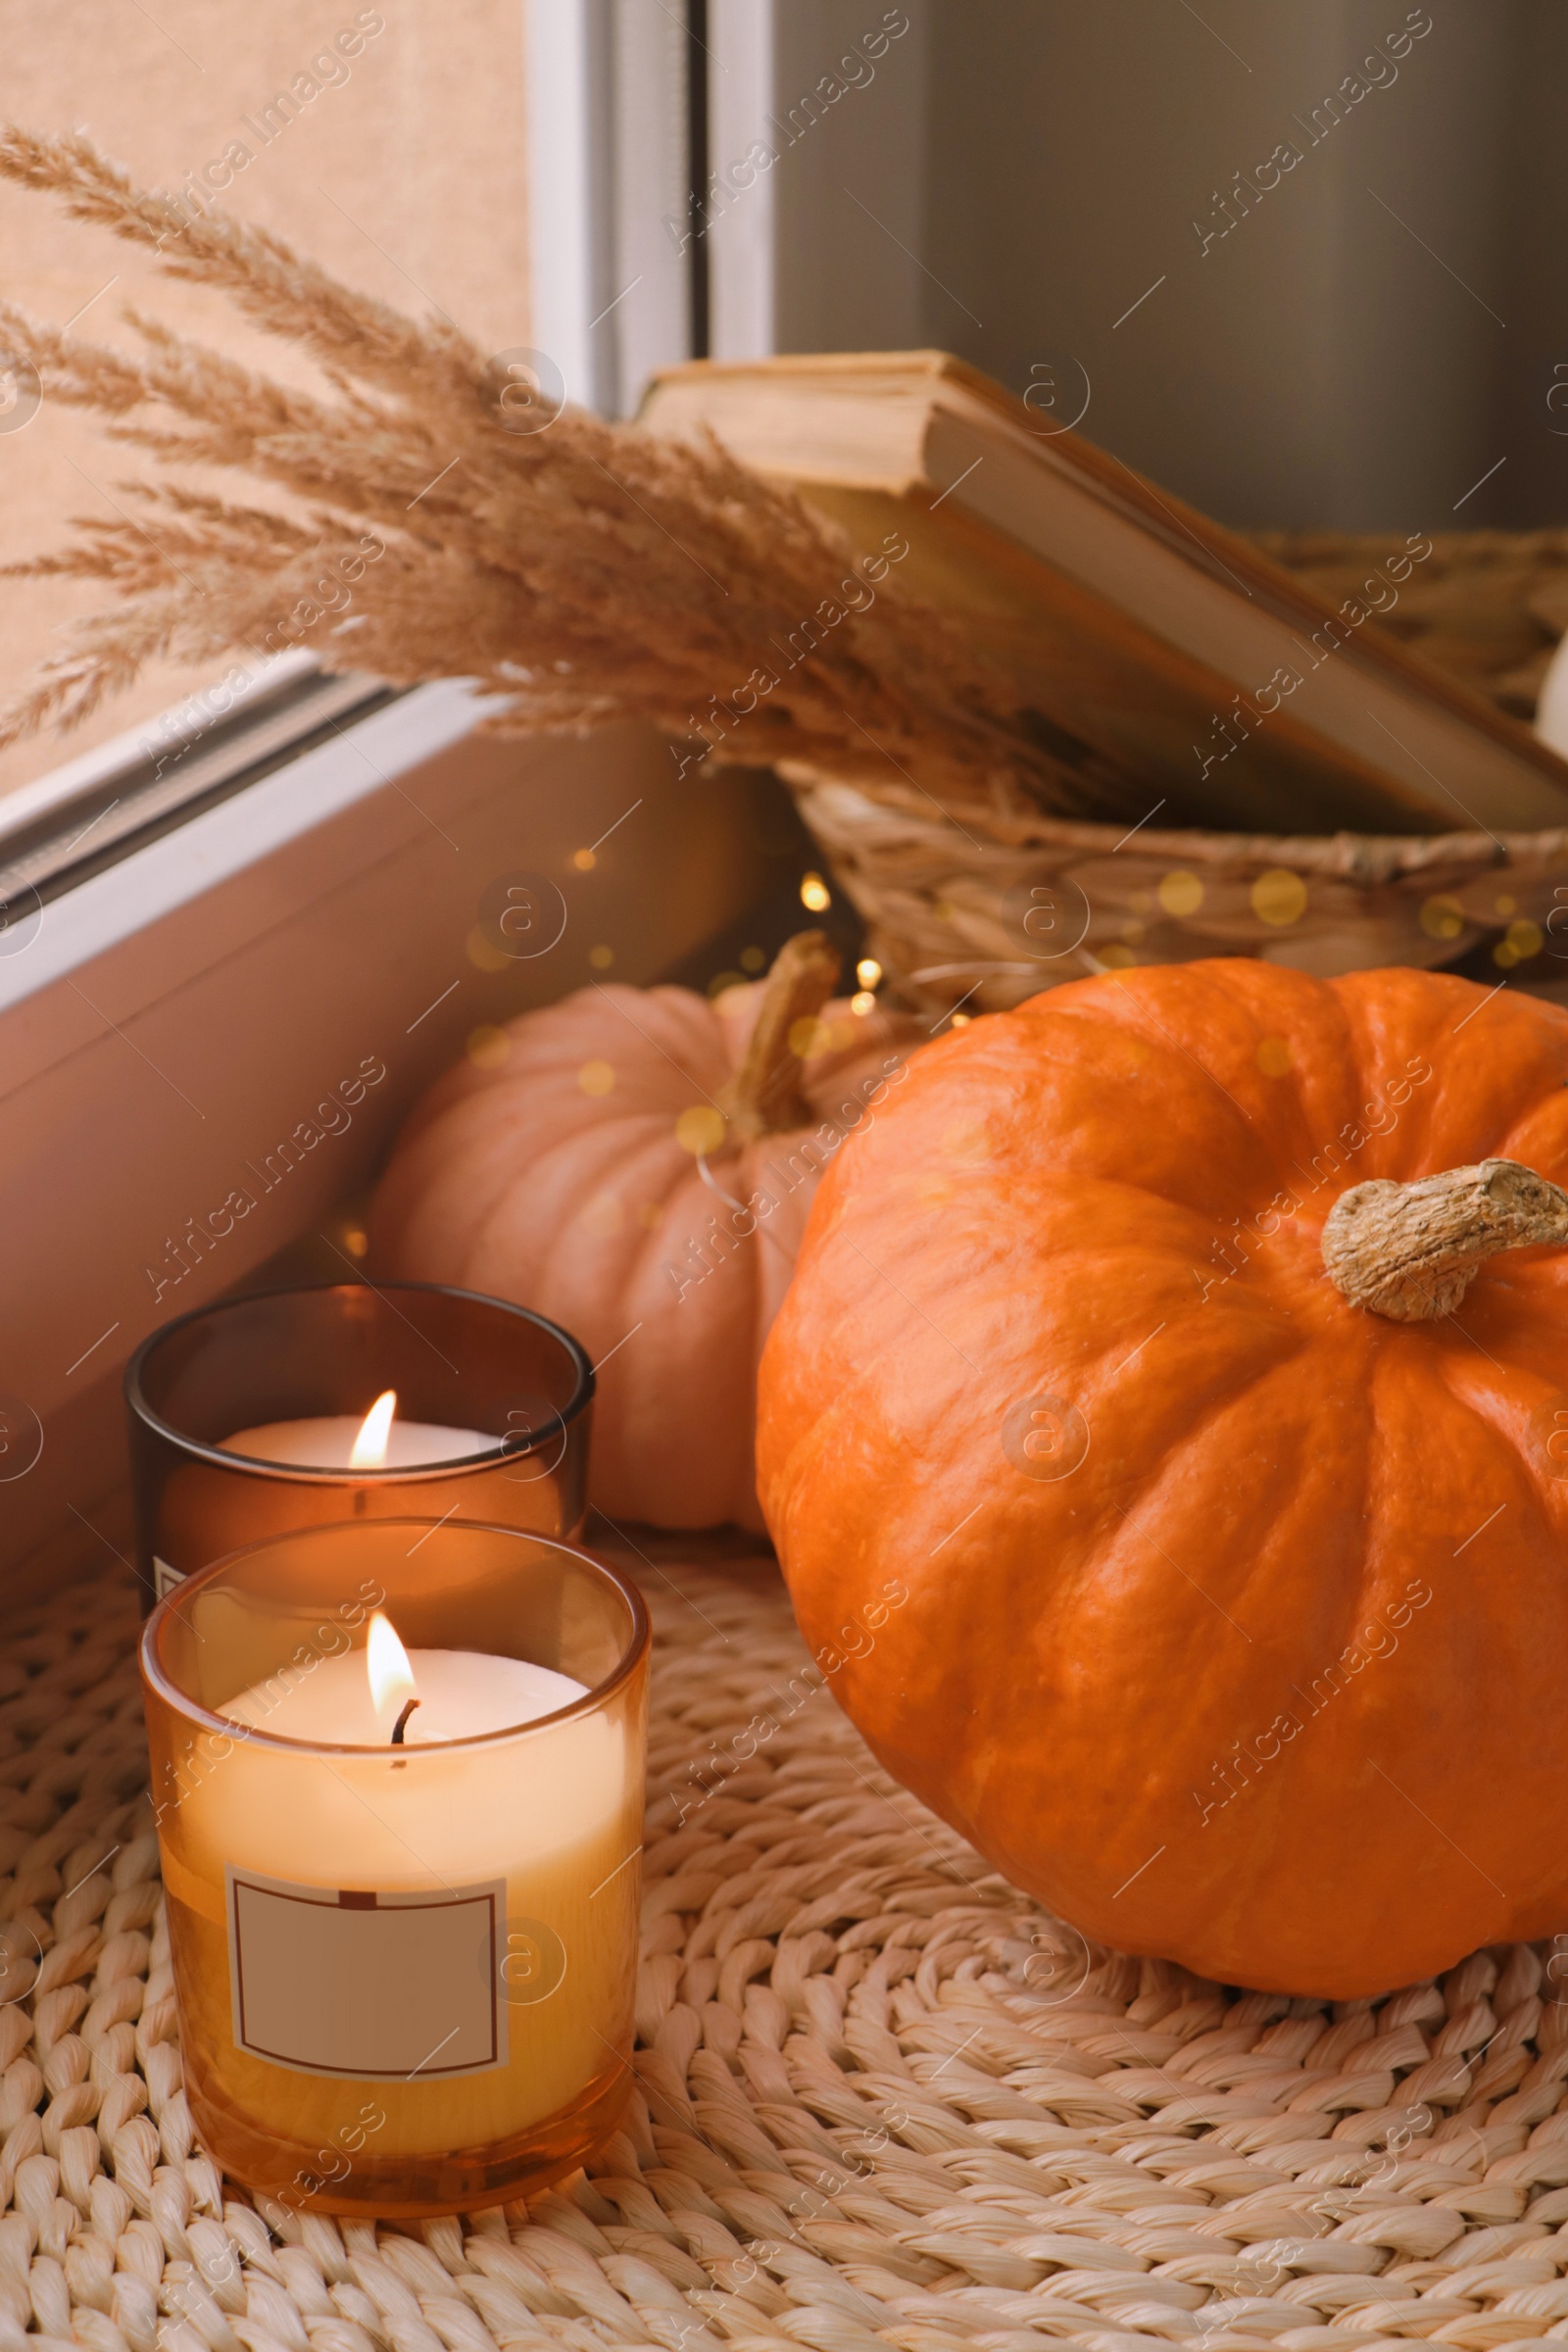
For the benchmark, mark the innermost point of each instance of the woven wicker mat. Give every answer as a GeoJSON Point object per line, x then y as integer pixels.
{"type": "Point", "coordinates": [882, 2100]}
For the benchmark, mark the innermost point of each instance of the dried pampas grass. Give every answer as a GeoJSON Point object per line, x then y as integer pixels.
{"type": "Point", "coordinates": [582, 573]}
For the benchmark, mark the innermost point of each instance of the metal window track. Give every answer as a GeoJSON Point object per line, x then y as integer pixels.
{"type": "Point", "coordinates": [51, 839]}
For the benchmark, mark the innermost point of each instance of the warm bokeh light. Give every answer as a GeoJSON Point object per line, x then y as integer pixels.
{"type": "Point", "coordinates": [488, 1047]}
{"type": "Point", "coordinates": [869, 971]}
{"type": "Point", "coordinates": [814, 893]}
{"type": "Point", "coordinates": [700, 1130]}
{"type": "Point", "coordinates": [368, 1450]}
{"type": "Point", "coordinates": [811, 1037]}
{"type": "Point", "coordinates": [863, 1002]}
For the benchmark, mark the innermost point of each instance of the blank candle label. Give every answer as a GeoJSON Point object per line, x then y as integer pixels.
{"type": "Point", "coordinates": [350, 1982]}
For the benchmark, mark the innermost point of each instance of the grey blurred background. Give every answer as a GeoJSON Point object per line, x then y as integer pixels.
{"type": "Point", "coordinates": [1374, 336]}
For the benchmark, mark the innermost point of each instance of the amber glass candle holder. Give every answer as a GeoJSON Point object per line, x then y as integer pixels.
{"type": "Point", "coordinates": [454, 1358]}
{"type": "Point", "coordinates": [405, 1974]}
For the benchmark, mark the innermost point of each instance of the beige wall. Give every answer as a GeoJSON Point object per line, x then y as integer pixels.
{"type": "Point", "coordinates": [406, 178]}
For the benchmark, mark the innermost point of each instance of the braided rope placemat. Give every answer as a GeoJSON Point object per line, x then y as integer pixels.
{"type": "Point", "coordinates": [882, 2099]}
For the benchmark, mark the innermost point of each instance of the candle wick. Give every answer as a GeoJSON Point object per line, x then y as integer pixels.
{"type": "Point", "coordinates": [400, 1725]}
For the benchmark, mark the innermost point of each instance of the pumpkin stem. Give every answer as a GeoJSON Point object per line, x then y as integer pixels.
{"type": "Point", "coordinates": [766, 1096]}
{"type": "Point", "coordinates": [1409, 1251]}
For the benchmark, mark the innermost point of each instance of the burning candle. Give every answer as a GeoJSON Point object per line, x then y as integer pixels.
{"type": "Point", "coordinates": [248, 1418]}
{"type": "Point", "coordinates": [358, 1698]}
{"type": "Point", "coordinates": [342, 1441]}
{"type": "Point", "coordinates": [402, 1881]}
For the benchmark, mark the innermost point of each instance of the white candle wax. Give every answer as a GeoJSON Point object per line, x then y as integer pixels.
{"type": "Point", "coordinates": [462, 1693]}
{"type": "Point", "coordinates": [327, 1443]}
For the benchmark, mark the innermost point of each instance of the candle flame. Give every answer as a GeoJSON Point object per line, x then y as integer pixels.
{"type": "Point", "coordinates": [368, 1450]}
{"type": "Point", "coordinates": [386, 1663]}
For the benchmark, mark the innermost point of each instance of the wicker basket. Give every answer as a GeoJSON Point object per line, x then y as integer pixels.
{"type": "Point", "coordinates": [1487, 606]}
{"type": "Point", "coordinates": [990, 910]}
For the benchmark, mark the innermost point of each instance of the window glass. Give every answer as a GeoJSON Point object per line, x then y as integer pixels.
{"type": "Point", "coordinates": [386, 142]}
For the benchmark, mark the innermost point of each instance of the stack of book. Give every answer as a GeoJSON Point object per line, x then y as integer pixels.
{"type": "Point", "coordinates": [1171, 650]}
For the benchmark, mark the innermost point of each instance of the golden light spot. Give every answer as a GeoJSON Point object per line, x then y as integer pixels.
{"type": "Point", "coordinates": [356, 1241]}
{"type": "Point", "coordinates": [1116, 958]}
{"type": "Point", "coordinates": [649, 1216]}
{"type": "Point", "coordinates": [1273, 1056]}
{"type": "Point", "coordinates": [1525, 938]}
{"type": "Point", "coordinates": [810, 1036]}
{"type": "Point", "coordinates": [960, 1021]}
{"type": "Point", "coordinates": [488, 1047]}
{"type": "Point", "coordinates": [602, 1216]}
{"type": "Point", "coordinates": [1180, 892]}
{"type": "Point", "coordinates": [863, 1002]}
{"type": "Point", "coordinates": [596, 1077]}
{"type": "Point", "coordinates": [869, 971]}
{"type": "Point", "coordinates": [1505, 905]}
{"type": "Point", "coordinates": [584, 861]}
{"type": "Point", "coordinates": [751, 959]}
{"type": "Point", "coordinates": [483, 954]}
{"type": "Point", "coordinates": [601, 959]}
{"type": "Point", "coordinates": [1506, 956]}
{"type": "Point", "coordinates": [814, 893]}
{"type": "Point", "coordinates": [1279, 897]}
{"type": "Point", "coordinates": [1441, 917]}
{"type": "Point", "coordinates": [700, 1130]}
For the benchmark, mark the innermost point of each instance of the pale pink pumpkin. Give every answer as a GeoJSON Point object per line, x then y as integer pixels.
{"type": "Point", "coordinates": [639, 1166]}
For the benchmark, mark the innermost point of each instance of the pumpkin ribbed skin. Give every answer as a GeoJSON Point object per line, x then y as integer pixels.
{"type": "Point", "coordinates": [520, 1181]}
{"type": "Point", "coordinates": [1249, 1647]}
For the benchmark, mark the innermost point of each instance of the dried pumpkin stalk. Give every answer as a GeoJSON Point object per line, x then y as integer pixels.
{"type": "Point", "coordinates": [583, 573]}
{"type": "Point", "coordinates": [1410, 1251]}
{"type": "Point", "coordinates": [766, 1095]}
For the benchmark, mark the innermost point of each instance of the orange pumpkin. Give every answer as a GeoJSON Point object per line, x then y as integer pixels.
{"type": "Point", "coordinates": [1220, 1598]}
{"type": "Point", "coordinates": [638, 1166]}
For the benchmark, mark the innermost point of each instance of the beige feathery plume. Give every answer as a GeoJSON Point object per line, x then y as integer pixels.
{"type": "Point", "coordinates": [582, 573]}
